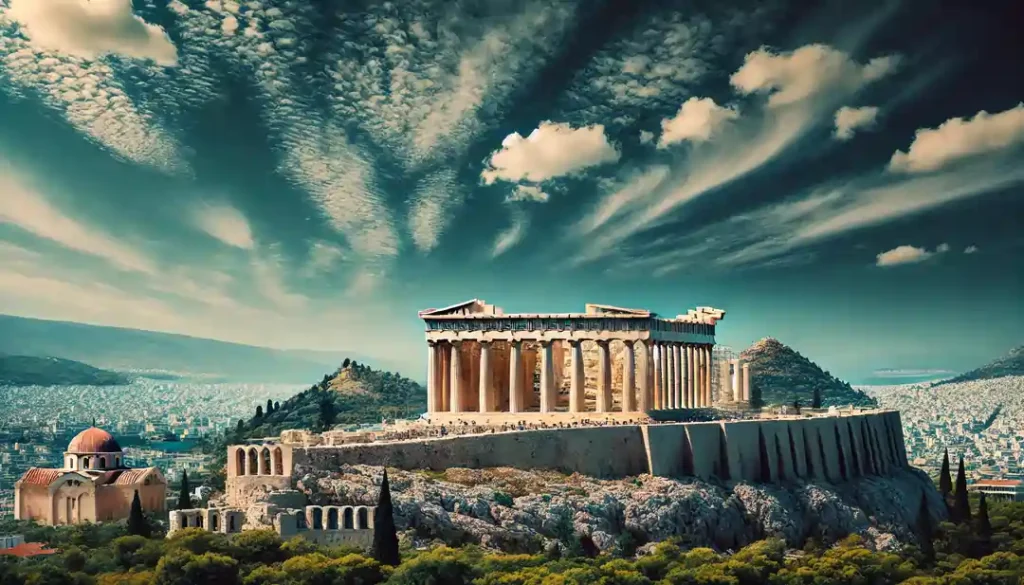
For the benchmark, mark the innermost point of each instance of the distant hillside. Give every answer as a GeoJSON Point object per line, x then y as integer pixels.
{"type": "Point", "coordinates": [20, 370]}
{"type": "Point", "coordinates": [783, 376]}
{"type": "Point", "coordinates": [132, 349]}
{"type": "Point", "coordinates": [1011, 364]}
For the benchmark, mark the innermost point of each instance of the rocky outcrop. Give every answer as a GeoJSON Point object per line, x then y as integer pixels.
{"type": "Point", "coordinates": [785, 376]}
{"type": "Point", "coordinates": [525, 511]}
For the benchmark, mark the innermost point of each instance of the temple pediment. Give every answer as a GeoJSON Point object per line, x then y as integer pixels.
{"type": "Point", "coordinates": [595, 309]}
{"type": "Point", "coordinates": [470, 307]}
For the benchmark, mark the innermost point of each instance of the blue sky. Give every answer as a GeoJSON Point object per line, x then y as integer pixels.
{"type": "Point", "coordinates": [310, 174]}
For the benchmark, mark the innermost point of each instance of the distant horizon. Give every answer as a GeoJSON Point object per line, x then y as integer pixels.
{"type": "Point", "coordinates": [858, 379]}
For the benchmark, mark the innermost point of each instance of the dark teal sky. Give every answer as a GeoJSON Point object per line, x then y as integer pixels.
{"type": "Point", "coordinates": [310, 174]}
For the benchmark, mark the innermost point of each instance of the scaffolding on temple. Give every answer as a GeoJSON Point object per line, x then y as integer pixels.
{"type": "Point", "coordinates": [722, 357]}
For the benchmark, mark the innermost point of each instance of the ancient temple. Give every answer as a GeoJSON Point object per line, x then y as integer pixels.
{"type": "Point", "coordinates": [483, 360]}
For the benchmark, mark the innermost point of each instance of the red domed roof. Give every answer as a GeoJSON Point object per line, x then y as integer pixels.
{"type": "Point", "coordinates": [94, 440]}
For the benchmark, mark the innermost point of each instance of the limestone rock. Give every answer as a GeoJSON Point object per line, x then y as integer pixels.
{"type": "Point", "coordinates": [517, 510]}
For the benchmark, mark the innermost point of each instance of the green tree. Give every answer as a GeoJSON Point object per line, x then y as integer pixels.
{"type": "Point", "coordinates": [137, 523]}
{"type": "Point", "coordinates": [277, 406]}
{"type": "Point", "coordinates": [328, 412]}
{"type": "Point", "coordinates": [240, 428]}
{"type": "Point", "coordinates": [756, 399]}
{"type": "Point", "coordinates": [259, 412]}
{"type": "Point", "coordinates": [925, 530]}
{"type": "Point", "coordinates": [961, 504]}
{"type": "Point", "coordinates": [345, 363]}
{"type": "Point", "coordinates": [385, 535]}
{"type": "Point", "coordinates": [945, 479]}
{"type": "Point", "coordinates": [982, 530]}
{"type": "Point", "coordinates": [816, 398]}
{"type": "Point", "coordinates": [270, 406]}
{"type": "Point", "coordinates": [184, 495]}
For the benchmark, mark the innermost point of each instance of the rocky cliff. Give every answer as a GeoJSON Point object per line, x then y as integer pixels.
{"type": "Point", "coordinates": [784, 376]}
{"type": "Point", "coordinates": [525, 511]}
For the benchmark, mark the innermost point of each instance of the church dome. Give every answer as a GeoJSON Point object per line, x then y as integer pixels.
{"type": "Point", "coordinates": [94, 440]}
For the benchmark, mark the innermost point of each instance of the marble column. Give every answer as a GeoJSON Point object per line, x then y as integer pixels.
{"type": "Point", "coordinates": [691, 364]}
{"type": "Point", "coordinates": [646, 377]}
{"type": "Point", "coordinates": [672, 357]}
{"type": "Point", "coordinates": [486, 378]}
{"type": "Point", "coordinates": [446, 376]}
{"type": "Point", "coordinates": [665, 375]}
{"type": "Point", "coordinates": [628, 378]}
{"type": "Point", "coordinates": [746, 382]}
{"type": "Point", "coordinates": [656, 367]}
{"type": "Point", "coordinates": [456, 376]}
{"type": "Point", "coordinates": [577, 379]}
{"type": "Point", "coordinates": [604, 378]}
{"type": "Point", "coordinates": [547, 378]}
{"type": "Point", "coordinates": [677, 390]}
{"type": "Point", "coordinates": [684, 364]}
{"type": "Point", "coordinates": [709, 364]}
{"type": "Point", "coordinates": [515, 373]}
{"type": "Point", "coordinates": [737, 387]}
{"type": "Point", "coordinates": [431, 377]}
{"type": "Point", "coordinates": [698, 373]}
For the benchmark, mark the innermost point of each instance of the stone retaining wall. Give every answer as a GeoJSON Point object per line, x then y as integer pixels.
{"type": "Point", "coordinates": [833, 448]}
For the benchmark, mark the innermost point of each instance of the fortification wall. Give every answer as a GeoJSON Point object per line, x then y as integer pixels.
{"type": "Point", "coordinates": [823, 448]}
{"type": "Point", "coordinates": [614, 451]}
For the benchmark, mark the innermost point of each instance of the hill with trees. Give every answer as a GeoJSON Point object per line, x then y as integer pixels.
{"type": "Point", "coordinates": [21, 370]}
{"type": "Point", "coordinates": [1011, 364]}
{"type": "Point", "coordinates": [781, 375]}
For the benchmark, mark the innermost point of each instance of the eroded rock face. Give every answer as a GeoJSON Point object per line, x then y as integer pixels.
{"type": "Point", "coordinates": [523, 511]}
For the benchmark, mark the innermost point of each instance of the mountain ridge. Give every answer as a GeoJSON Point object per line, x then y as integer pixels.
{"type": "Point", "coordinates": [125, 349]}
{"type": "Point", "coordinates": [21, 370]}
{"type": "Point", "coordinates": [1010, 364]}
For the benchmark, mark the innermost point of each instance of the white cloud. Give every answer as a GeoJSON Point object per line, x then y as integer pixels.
{"type": "Point", "coordinates": [224, 223]}
{"type": "Point", "coordinates": [268, 275]}
{"type": "Point", "coordinates": [27, 209]}
{"type": "Point", "coordinates": [528, 193]}
{"type": "Point", "coordinates": [93, 98]}
{"type": "Point", "coordinates": [808, 71]}
{"type": "Point", "coordinates": [646, 137]}
{"type": "Point", "coordinates": [971, 250]}
{"type": "Point", "coordinates": [941, 248]}
{"type": "Point", "coordinates": [696, 120]}
{"type": "Point", "coordinates": [906, 255]}
{"type": "Point", "coordinates": [850, 119]}
{"type": "Point", "coordinates": [92, 28]}
{"type": "Point", "coordinates": [428, 215]}
{"type": "Point", "coordinates": [957, 139]}
{"type": "Point", "coordinates": [552, 150]}
{"type": "Point", "coordinates": [808, 85]}
{"type": "Point", "coordinates": [510, 236]}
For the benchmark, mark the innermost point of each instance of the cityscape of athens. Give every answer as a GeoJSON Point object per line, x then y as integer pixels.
{"type": "Point", "coordinates": [511, 292]}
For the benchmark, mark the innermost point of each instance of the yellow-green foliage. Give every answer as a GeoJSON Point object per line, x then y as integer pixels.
{"type": "Point", "coordinates": [195, 557]}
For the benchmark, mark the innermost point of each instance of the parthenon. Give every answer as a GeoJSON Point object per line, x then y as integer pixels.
{"type": "Point", "coordinates": [482, 360]}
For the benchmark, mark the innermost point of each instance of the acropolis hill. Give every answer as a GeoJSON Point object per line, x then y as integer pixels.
{"type": "Point", "coordinates": [610, 393]}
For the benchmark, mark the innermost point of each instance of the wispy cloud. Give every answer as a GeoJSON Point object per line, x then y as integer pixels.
{"type": "Point", "coordinates": [511, 235]}
{"type": "Point", "coordinates": [849, 120]}
{"type": "Point", "coordinates": [26, 208]}
{"type": "Point", "coordinates": [224, 223]}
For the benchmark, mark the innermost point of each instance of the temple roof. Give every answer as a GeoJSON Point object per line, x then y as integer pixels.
{"type": "Point", "coordinates": [46, 476]}
{"type": "Point", "coordinates": [40, 476]}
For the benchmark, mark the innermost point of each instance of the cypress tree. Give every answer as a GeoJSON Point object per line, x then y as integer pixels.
{"type": "Point", "coordinates": [961, 505]}
{"type": "Point", "coordinates": [983, 530]}
{"type": "Point", "coordinates": [277, 406]}
{"type": "Point", "coordinates": [945, 479]}
{"type": "Point", "coordinates": [925, 531]}
{"type": "Point", "coordinates": [184, 497]}
{"type": "Point", "coordinates": [137, 524]}
{"type": "Point", "coordinates": [270, 406]}
{"type": "Point", "coordinates": [385, 535]}
{"type": "Point", "coordinates": [259, 411]}
{"type": "Point", "coordinates": [816, 398]}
